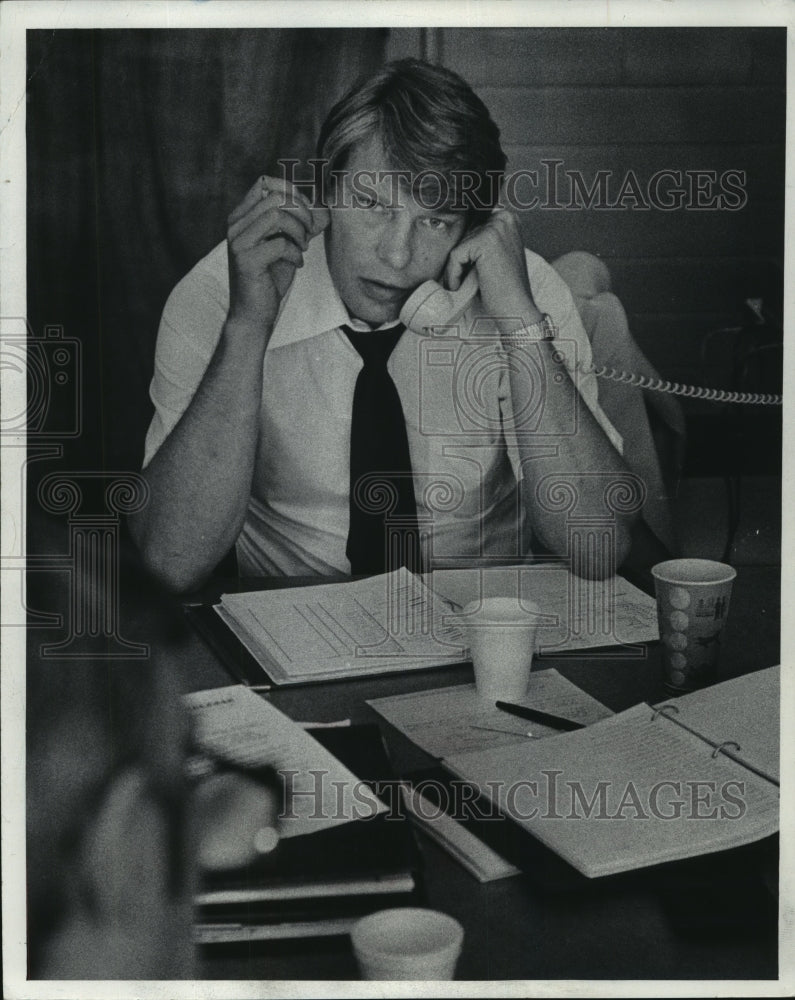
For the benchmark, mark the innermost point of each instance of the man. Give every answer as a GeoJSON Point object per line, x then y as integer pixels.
{"type": "Point", "coordinates": [255, 442]}
{"type": "Point", "coordinates": [116, 836]}
{"type": "Point", "coordinates": [108, 860]}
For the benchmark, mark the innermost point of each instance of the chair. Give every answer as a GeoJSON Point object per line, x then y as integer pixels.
{"type": "Point", "coordinates": [651, 423]}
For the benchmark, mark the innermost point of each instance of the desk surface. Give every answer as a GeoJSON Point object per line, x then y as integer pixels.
{"type": "Point", "coordinates": [514, 929]}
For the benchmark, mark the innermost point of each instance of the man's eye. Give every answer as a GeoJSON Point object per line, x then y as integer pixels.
{"type": "Point", "coordinates": [367, 201]}
{"type": "Point", "coordinates": [439, 225]}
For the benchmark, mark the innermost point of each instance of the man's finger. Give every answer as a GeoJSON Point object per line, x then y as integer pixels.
{"type": "Point", "coordinates": [321, 217]}
{"type": "Point", "coordinates": [291, 197]}
{"type": "Point", "coordinates": [284, 250]}
{"type": "Point", "coordinates": [252, 197]}
{"type": "Point", "coordinates": [276, 200]}
{"type": "Point", "coordinates": [272, 224]}
{"type": "Point", "coordinates": [269, 251]}
{"type": "Point", "coordinates": [458, 263]}
{"type": "Point", "coordinates": [270, 207]}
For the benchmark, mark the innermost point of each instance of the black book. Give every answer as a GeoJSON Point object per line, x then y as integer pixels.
{"type": "Point", "coordinates": [321, 883]}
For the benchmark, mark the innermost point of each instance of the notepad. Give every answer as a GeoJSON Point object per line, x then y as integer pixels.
{"type": "Point", "coordinates": [691, 776]}
{"type": "Point", "coordinates": [452, 720]}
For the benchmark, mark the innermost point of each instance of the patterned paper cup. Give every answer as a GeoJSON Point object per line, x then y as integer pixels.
{"type": "Point", "coordinates": [692, 605]}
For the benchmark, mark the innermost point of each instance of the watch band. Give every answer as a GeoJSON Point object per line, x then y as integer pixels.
{"type": "Point", "coordinates": [543, 329]}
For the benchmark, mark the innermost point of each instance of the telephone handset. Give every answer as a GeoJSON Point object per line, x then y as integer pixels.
{"type": "Point", "coordinates": [432, 308]}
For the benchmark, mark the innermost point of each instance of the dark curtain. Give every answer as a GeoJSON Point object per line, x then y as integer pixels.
{"type": "Point", "coordinates": [139, 143]}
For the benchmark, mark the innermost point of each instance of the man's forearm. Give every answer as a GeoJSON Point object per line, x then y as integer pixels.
{"type": "Point", "coordinates": [551, 417]}
{"type": "Point", "coordinates": [200, 478]}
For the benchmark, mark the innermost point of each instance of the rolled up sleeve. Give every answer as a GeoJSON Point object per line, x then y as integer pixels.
{"type": "Point", "coordinates": [190, 327]}
{"type": "Point", "coordinates": [552, 295]}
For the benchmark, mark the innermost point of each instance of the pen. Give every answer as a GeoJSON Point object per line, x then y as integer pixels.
{"type": "Point", "coordinates": [535, 716]}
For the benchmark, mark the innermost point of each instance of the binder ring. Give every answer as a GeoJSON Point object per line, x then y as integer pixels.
{"type": "Point", "coordinates": [665, 710]}
{"type": "Point", "coordinates": [726, 743]}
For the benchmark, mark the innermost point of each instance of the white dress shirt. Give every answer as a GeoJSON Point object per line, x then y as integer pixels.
{"type": "Point", "coordinates": [456, 400]}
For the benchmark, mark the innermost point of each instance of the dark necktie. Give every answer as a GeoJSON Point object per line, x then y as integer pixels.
{"type": "Point", "coordinates": [381, 485]}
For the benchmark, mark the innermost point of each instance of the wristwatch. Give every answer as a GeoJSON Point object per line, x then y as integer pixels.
{"type": "Point", "coordinates": [542, 329]}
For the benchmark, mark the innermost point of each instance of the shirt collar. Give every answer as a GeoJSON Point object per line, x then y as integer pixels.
{"type": "Point", "coordinates": [312, 305]}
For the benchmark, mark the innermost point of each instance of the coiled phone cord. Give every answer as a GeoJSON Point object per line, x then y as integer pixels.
{"type": "Point", "coordinates": [679, 389]}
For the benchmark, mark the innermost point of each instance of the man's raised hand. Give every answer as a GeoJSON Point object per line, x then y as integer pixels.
{"type": "Point", "coordinates": [496, 252]}
{"type": "Point", "coordinates": [267, 234]}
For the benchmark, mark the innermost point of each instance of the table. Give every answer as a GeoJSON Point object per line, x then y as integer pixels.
{"type": "Point", "coordinates": [515, 929]}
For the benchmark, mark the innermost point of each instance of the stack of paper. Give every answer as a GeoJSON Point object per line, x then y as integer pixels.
{"type": "Point", "coordinates": [399, 621]}
{"type": "Point", "coordinates": [384, 623]}
{"type": "Point", "coordinates": [357, 859]}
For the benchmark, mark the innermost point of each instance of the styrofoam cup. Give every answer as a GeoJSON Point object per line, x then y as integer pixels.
{"type": "Point", "coordinates": [407, 943]}
{"type": "Point", "coordinates": [501, 635]}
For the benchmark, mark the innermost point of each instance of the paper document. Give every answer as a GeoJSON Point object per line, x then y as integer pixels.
{"type": "Point", "coordinates": [744, 711]}
{"type": "Point", "coordinates": [580, 614]}
{"type": "Point", "coordinates": [235, 724]}
{"type": "Point", "coordinates": [398, 621]}
{"type": "Point", "coordinates": [453, 720]}
{"type": "Point", "coordinates": [384, 623]}
{"type": "Point", "coordinates": [633, 790]}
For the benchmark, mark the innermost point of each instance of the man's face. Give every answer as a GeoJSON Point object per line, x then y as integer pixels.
{"type": "Point", "coordinates": [382, 242]}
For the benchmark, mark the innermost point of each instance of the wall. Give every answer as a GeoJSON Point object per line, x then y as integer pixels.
{"type": "Point", "coordinates": [646, 100]}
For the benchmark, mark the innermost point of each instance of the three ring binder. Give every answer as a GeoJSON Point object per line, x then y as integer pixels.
{"type": "Point", "coordinates": [639, 788]}
{"type": "Point", "coordinates": [664, 710]}
{"type": "Point", "coordinates": [719, 746]}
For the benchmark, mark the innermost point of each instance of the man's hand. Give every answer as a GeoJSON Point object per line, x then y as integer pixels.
{"type": "Point", "coordinates": [236, 818]}
{"type": "Point", "coordinates": [496, 251]}
{"type": "Point", "coordinates": [267, 235]}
